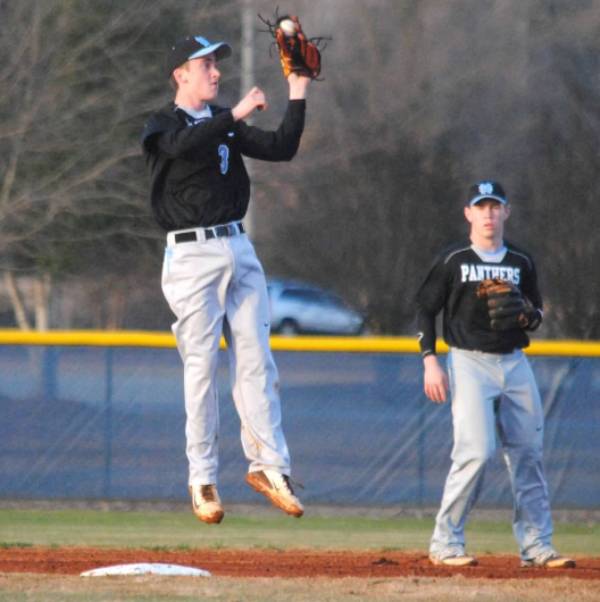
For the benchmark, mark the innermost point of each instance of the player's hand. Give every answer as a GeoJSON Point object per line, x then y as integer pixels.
{"type": "Point", "coordinates": [254, 100]}
{"type": "Point", "coordinates": [435, 380]}
{"type": "Point", "coordinates": [298, 85]}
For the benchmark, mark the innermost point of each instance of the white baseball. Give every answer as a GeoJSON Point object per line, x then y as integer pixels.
{"type": "Point", "coordinates": [288, 27]}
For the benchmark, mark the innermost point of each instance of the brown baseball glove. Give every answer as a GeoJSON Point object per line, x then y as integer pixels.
{"type": "Point", "coordinates": [297, 53]}
{"type": "Point", "coordinates": [507, 307]}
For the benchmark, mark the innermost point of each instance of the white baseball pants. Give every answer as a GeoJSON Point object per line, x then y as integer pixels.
{"type": "Point", "coordinates": [216, 287]}
{"type": "Point", "coordinates": [494, 392]}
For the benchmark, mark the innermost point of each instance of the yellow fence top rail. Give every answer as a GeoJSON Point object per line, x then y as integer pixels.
{"type": "Point", "coordinates": [367, 344]}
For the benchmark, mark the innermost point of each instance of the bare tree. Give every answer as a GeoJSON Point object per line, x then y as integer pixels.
{"type": "Point", "coordinates": [419, 98]}
{"type": "Point", "coordinates": [78, 79]}
{"type": "Point", "coordinates": [563, 171]}
{"type": "Point", "coordinates": [63, 133]}
{"type": "Point", "coordinates": [353, 206]}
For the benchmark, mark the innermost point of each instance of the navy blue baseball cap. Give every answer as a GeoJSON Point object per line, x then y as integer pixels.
{"type": "Point", "coordinates": [486, 189]}
{"type": "Point", "coordinates": [194, 47]}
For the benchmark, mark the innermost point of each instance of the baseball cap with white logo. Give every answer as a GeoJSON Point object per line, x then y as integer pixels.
{"type": "Point", "coordinates": [486, 189]}
{"type": "Point", "coordinates": [194, 47]}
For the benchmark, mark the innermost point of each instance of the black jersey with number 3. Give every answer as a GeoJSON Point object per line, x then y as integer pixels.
{"type": "Point", "coordinates": [198, 174]}
{"type": "Point", "coordinates": [451, 286]}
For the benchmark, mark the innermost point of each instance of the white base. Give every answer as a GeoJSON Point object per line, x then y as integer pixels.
{"type": "Point", "coordinates": [146, 568]}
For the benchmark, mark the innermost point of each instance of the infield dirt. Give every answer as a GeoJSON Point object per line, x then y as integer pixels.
{"type": "Point", "coordinates": [284, 563]}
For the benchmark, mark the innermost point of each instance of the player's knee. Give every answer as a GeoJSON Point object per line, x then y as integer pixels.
{"type": "Point", "coordinates": [473, 460]}
{"type": "Point", "coordinates": [526, 456]}
{"type": "Point", "coordinates": [478, 450]}
{"type": "Point", "coordinates": [481, 455]}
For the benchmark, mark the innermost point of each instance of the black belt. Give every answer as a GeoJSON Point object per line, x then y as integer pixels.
{"type": "Point", "coordinates": [214, 232]}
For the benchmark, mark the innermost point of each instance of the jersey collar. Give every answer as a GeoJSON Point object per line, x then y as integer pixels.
{"type": "Point", "coordinates": [196, 116]}
{"type": "Point", "coordinates": [490, 257]}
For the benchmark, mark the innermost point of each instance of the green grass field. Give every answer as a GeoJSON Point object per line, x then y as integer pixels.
{"type": "Point", "coordinates": [182, 530]}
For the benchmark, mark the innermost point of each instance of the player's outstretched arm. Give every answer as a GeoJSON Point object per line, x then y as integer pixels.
{"type": "Point", "coordinates": [435, 379]}
{"type": "Point", "coordinates": [298, 86]}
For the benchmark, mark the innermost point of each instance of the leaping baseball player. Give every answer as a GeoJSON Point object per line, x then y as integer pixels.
{"type": "Point", "coordinates": [487, 290]}
{"type": "Point", "coordinates": [212, 278]}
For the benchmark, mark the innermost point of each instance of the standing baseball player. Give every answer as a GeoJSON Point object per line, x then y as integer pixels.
{"type": "Point", "coordinates": [488, 292]}
{"type": "Point", "coordinates": [212, 278]}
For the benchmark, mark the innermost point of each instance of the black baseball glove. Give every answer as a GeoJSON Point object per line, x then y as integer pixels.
{"type": "Point", "coordinates": [507, 307]}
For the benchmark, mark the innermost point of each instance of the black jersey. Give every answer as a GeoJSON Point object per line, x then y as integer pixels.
{"type": "Point", "coordinates": [450, 286]}
{"type": "Point", "coordinates": [197, 171]}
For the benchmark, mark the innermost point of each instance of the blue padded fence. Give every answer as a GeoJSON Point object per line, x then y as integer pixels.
{"type": "Point", "coordinates": [89, 422]}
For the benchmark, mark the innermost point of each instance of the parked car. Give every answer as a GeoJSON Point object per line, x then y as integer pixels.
{"type": "Point", "coordinates": [299, 307]}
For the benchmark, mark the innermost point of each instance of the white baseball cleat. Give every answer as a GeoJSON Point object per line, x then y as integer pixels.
{"type": "Point", "coordinates": [277, 488]}
{"type": "Point", "coordinates": [206, 503]}
{"type": "Point", "coordinates": [456, 561]}
{"type": "Point", "coordinates": [549, 561]}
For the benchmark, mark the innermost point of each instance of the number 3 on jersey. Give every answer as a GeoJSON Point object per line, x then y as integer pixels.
{"type": "Point", "coordinates": [224, 156]}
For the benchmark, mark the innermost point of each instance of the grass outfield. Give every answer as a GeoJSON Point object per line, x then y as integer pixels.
{"type": "Point", "coordinates": [181, 530]}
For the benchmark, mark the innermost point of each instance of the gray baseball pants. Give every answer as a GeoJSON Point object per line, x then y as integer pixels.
{"type": "Point", "coordinates": [216, 287]}
{"type": "Point", "coordinates": [494, 393]}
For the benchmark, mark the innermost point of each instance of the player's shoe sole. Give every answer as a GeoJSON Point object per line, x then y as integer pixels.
{"type": "Point", "coordinates": [283, 497]}
{"type": "Point", "coordinates": [455, 561]}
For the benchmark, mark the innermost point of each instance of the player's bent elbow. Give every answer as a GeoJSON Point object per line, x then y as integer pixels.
{"type": "Point", "coordinates": [287, 154]}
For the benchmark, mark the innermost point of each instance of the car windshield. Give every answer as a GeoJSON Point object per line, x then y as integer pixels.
{"type": "Point", "coordinates": [306, 295]}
